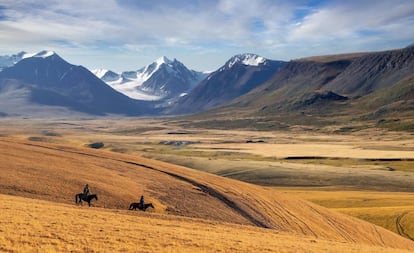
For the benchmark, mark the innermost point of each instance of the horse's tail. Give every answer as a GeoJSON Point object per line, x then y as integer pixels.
{"type": "Point", "coordinates": [76, 198]}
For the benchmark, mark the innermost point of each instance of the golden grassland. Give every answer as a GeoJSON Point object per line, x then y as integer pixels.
{"type": "Point", "coordinates": [49, 160]}
{"type": "Point", "coordinates": [29, 225]}
{"type": "Point", "coordinates": [391, 210]}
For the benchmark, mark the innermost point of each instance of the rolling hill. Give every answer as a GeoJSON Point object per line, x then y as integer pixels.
{"type": "Point", "coordinates": [38, 169]}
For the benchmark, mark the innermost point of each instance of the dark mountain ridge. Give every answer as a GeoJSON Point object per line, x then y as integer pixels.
{"type": "Point", "coordinates": [54, 82]}
{"type": "Point", "coordinates": [240, 74]}
{"type": "Point", "coordinates": [350, 86]}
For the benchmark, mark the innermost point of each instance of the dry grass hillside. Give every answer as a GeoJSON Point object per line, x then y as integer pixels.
{"type": "Point", "coordinates": [30, 225]}
{"type": "Point", "coordinates": [55, 172]}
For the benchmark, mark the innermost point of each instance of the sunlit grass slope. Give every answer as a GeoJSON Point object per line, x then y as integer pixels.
{"type": "Point", "coordinates": [56, 173]}
{"type": "Point", "coordinates": [29, 225]}
{"type": "Point", "coordinates": [391, 210]}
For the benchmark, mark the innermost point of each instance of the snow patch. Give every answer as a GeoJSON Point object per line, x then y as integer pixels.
{"type": "Point", "coordinates": [253, 60]}
{"type": "Point", "coordinates": [163, 59]}
{"type": "Point", "coordinates": [246, 59]}
{"type": "Point", "coordinates": [99, 72]}
{"type": "Point", "coordinates": [41, 54]}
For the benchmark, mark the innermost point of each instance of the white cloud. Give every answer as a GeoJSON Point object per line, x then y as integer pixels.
{"type": "Point", "coordinates": [351, 20]}
{"type": "Point", "coordinates": [276, 29]}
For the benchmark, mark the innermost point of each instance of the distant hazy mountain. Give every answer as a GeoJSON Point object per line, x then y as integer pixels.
{"type": "Point", "coordinates": [239, 75]}
{"type": "Point", "coordinates": [105, 75]}
{"type": "Point", "coordinates": [45, 80]}
{"type": "Point", "coordinates": [162, 79]}
{"type": "Point", "coordinates": [10, 60]}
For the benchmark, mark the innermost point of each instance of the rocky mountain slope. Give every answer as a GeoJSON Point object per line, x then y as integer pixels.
{"type": "Point", "coordinates": [333, 86]}
{"type": "Point", "coordinates": [160, 80]}
{"type": "Point", "coordinates": [239, 75]}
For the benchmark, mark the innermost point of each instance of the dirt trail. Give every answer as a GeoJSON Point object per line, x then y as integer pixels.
{"type": "Point", "coordinates": [400, 226]}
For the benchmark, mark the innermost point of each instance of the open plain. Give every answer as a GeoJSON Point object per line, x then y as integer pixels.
{"type": "Point", "coordinates": [194, 177]}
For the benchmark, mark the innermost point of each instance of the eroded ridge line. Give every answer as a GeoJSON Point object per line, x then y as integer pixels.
{"type": "Point", "coordinates": [400, 226]}
{"type": "Point", "coordinates": [208, 190]}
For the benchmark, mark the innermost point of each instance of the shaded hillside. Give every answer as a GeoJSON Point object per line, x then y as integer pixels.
{"type": "Point", "coordinates": [42, 170]}
{"type": "Point", "coordinates": [373, 72]}
{"type": "Point", "coordinates": [397, 98]}
{"type": "Point", "coordinates": [240, 74]}
{"type": "Point", "coordinates": [346, 88]}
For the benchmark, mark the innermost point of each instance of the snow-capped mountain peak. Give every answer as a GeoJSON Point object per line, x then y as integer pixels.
{"type": "Point", "coordinates": [106, 75]}
{"type": "Point", "coordinates": [163, 60]}
{"type": "Point", "coordinates": [8, 61]}
{"type": "Point", "coordinates": [246, 59]}
{"type": "Point", "coordinates": [99, 72]}
{"type": "Point", "coordinates": [161, 79]}
{"type": "Point", "coordinates": [41, 54]}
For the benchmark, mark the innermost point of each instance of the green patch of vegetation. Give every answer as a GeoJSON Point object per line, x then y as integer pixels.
{"type": "Point", "coordinates": [137, 130]}
{"type": "Point", "coordinates": [190, 152]}
{"type": "Point", "coordinates": [402, 165]}
{"type": "Point", "coordinates": [396, 125]}
{"type": "Point", "coordinates": [252, 123]}
{"type": "Point", "coordinates": [47, 133]}
{"type": "Point", "coordinates": [37, 138]}
{"type": "Point", "coordinates": [350, 129]}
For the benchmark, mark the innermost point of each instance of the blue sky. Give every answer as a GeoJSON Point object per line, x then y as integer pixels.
{"type": "Point", "coordinates": [129, 34]}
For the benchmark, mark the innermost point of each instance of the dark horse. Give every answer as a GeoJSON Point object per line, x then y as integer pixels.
{"type": "Point", "coordinates": [79, 197]}
{"type": "Point", "coordinates": [135, 206]}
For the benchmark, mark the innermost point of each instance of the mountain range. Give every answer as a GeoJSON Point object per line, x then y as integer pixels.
{"type": "Point", "coordinates": [324, 90]}
{"type": "Point", "coordinates": [46, 84]}
{"type": "Point", "coordinates": [362, 86]}
{"type": "Point", "coordinates": [239, 75]}
{"type": "Point", "coordinates": [163, 79]}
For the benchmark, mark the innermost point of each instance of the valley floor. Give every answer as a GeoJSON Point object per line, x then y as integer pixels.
{"type": "Point", "coordinates": [368, 175]}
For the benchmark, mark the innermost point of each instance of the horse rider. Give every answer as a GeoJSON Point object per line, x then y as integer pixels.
{"type": "Point", "coordinates": [86, 191]}
{"type": "Point", "coordinates": [141, 202]}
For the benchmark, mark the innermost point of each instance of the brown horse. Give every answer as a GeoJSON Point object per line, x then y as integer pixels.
{"type": "Point", "coordinates": [80, 196]}
{"type": "Point", "coordinates": [135, 206]}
